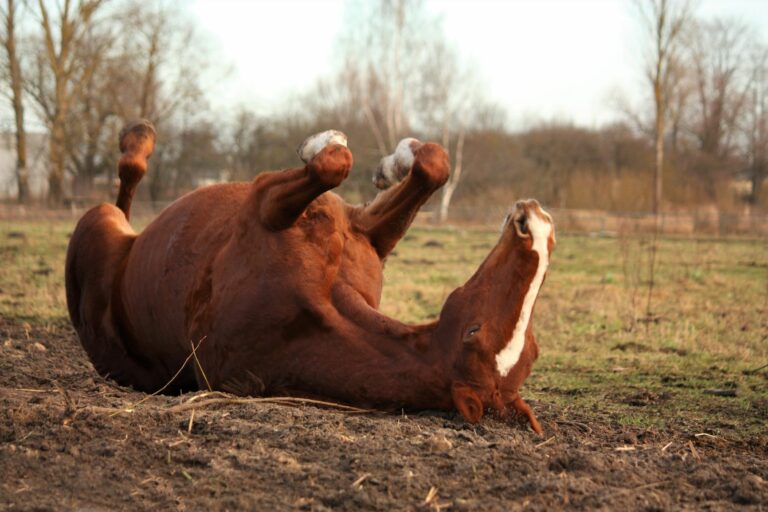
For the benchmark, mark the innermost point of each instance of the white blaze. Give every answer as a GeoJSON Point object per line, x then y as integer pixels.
{"type": "Point", "coordinates": [540, 230]}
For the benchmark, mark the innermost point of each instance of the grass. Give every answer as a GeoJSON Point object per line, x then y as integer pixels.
{"type": "Point", "coordinates": [708, 328]}
{"type": "Point", "coordinates": [32, 271]}
{"type": "Point", "coordinates": [600, 355]}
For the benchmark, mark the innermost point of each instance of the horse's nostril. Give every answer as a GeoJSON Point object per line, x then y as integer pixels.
{"type": "Point", "coordinates": [522, 222]}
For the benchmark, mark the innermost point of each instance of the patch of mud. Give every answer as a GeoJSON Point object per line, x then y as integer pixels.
{"type": "Point", "coordinates": [65, 445]}
{"type": "Point", "coordinates": [631, 346]}
{"type": "Point", "coordinates": [645, 397]}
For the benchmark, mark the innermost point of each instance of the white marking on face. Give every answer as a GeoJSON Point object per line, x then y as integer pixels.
{"type": "Point", "coordinates": [540, 230]}
{"type": "Point", "coordinates": [315, 143]}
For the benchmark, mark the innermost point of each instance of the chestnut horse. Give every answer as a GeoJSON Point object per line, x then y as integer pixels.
{"type": "Point", "coordinates": [277, 283]}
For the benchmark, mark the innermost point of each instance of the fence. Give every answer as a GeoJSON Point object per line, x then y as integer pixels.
{"type": "Point", "coordinates": [709, 222]}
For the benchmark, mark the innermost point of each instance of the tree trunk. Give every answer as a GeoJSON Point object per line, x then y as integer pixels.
{"type": "Point", "coordinates": [15, 78]}
{"type": "Point", "coordinates": [22, 173]}
{"type": "Point", "coordinates": [758, 176]}
{"type": "Point", "coordinates": [56, 171]}
{"type": "Point", "coordinates": [658, 173]}
{"type": "Point", "coordinates": [450, 187]}
{"type": "Point", "coordinates": [445, 201]}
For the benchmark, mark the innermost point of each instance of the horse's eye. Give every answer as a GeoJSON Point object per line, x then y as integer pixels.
{"type": "Point", "coordinates": [471, 333]}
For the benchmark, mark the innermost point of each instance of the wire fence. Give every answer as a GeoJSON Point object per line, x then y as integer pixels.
{"type": "Point", "coordinates": [702, 222]}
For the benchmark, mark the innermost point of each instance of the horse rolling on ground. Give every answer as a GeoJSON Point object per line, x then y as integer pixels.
{"type": "Point", "coordinates": [277, 282]}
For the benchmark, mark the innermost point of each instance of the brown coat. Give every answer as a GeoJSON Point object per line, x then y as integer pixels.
{"type": "Point", "coordinates": [278, 283]}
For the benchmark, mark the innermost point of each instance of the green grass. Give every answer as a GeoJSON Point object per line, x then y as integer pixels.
{"type": "Point", "coordinates": [600, 355]}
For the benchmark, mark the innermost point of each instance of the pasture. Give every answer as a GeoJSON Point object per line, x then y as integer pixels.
{"type": "Point", "coordinates": [659, 411]}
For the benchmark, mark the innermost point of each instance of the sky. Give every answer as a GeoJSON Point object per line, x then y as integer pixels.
{"type": "Point", "coordinates": [570, 60]}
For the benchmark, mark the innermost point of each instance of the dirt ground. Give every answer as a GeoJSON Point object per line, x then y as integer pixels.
{"type": "Point", "coordinates": [65, 445]}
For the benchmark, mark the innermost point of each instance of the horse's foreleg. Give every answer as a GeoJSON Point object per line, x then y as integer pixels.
{"type": "Point", "coordinates": [282, 196]}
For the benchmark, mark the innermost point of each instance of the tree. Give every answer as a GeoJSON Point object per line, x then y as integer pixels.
{"type": "Point", "coordinates": [89, 143]}
{"type": "Point", "coordinates": [134, 61]}
{"type": "Point", "coordinates": [163, 61]}
{"type": "Point", "coordinates": [15, 80]}
{"type": "Point", "coordinates": [756, 121]}
{"type": "Point", "coordinates": [557, 152]}
{"type": "Point", "coordinates": [381, 50]}
{"type": "Point", "coordinates": [664, 21]}
{"type": "Point", "coordinates": [199, 159]}
{"type": "Point", "coordinates": [719, 68]}
{"type": "Point", "coordinates": [61, 75]}
{"type": "Point", "coordinates": [446, 94]}
{"type": "Point", "coordinates": [407, 80]}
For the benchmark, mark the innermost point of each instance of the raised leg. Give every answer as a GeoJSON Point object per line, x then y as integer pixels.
{"type": "Point", "coordinates": [282, 196]}
{"type": "Point", "coordinates": [137, 141]}
{"type": "Point", "coordinates": [420, 168]}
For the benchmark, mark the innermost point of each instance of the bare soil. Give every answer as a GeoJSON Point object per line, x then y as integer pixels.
{"type": "Point", "coordinates": [64, 444]}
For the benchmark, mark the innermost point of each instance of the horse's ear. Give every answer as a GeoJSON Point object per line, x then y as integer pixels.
{"type": "Point", "coordinates": [467, 402]}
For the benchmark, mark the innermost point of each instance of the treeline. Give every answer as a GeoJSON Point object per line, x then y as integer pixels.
{"type": "Point", "coordinates": [84, 67]}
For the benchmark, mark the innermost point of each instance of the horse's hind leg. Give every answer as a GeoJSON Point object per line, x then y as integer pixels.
{"type": "Point", "coordinates": [420, 169]}
{"type": "Point", "coordinates": [282, 196]}
{"type": "Point", "coordinates": [96, 258]}
{"type": "Point", "coordinates": [137, 142]}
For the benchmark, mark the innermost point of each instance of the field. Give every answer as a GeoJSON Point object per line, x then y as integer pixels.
{"type": "Point", "coordinates": [641, 412]}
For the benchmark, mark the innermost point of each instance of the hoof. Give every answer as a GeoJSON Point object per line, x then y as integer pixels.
{"type": "Point", "coordinates": [137, 142]}
{"type": "Point", "coordinates": [138, 137]}
{"type": "Point", "coordinates": [393, 168]}
{"type": "Point", "coordinates": [315, 143]}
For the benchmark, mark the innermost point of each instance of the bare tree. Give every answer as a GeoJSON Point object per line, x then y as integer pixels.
{"type": "Point", "coordinates": [756, 122]}
{"type": "Point", "coordinates": [665, 21]}
{"type": "Point", "coordinates": [163, 59]}
{"type": "Point", "coordinates": [14, 77]}
{"type": "Point", "coordinates": [559, 150]}
{"type": "Point", "coordinates": [89, 142]}
{"type": "Point", "coordinates": [719, 66]}
{"type": "Point", "coordinates": [381, 49]}
{"type": "Point", "coordinates": [135, 61]}
{"type": "Point", "coordinates": [678, 104]}
{"type": "Point", "coordinates": [406, 79]}
{"type": "Point", "coordinates": [61, 75]}
{"type": "Point", "coordinates": [447, 102]}
{"type": "Point", "coordinates": [453, 180]}
{"type": "Point", "coordinates": [163, 62]}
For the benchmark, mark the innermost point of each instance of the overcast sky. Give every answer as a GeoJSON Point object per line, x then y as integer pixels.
{"type": "Point", "coordinates": [541, 59]}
